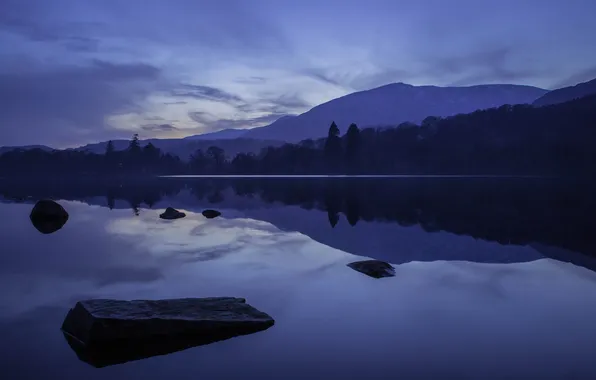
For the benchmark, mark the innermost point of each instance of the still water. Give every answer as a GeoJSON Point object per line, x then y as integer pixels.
{"type": "Point", "coordinates": [494, 278]}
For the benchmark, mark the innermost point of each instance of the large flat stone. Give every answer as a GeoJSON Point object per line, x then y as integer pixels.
{"type": "Point", "coordinates": [108, 322]}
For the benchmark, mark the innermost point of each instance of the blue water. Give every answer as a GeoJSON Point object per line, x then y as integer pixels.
{"type": "Point", "coordinates": [459, 307]}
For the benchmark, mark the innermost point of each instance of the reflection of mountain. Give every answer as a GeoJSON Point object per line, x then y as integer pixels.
{"type": "Point", "coordinates": [369, 216]}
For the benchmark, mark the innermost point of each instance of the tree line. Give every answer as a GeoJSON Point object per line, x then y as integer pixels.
{"type": "Point", "coordinates": [519, 139]}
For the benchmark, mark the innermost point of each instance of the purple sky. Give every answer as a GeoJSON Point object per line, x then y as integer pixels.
{"type": "Point", "coordinates": [77, 71]}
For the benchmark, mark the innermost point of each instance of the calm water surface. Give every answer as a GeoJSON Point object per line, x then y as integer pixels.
{"type": "Point", "coordinates": [492, 281]}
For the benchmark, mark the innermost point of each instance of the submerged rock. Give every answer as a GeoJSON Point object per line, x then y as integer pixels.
{"type": "Point", "coordinates": [104, 332]}
{"type": "Point", "coordinates": [172, 213]}
{"type": "Point", "coordinates": [210, 214]}
{"type": "Point", "coordinates": [373, 268]}
{"type": "Point", "coordinates": [48, 216]}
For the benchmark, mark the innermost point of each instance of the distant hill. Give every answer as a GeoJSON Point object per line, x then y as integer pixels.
{"type": "Point", "coordinates": [183, 148]}
{"type": "Point", "coordinates": [225, 134]}
{"type": "Point", "coordinates": [4, 149]}
{"type": "Point", "coordinates": [566, 94]}
{"type": "Point", "coordinates": [391, 105]}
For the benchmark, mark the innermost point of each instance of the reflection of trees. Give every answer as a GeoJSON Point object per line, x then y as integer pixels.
{"type": "Point", "coordinates": [506, 211]}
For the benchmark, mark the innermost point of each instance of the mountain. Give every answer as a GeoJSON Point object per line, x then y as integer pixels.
{"type": "Point", "coordinates": [183, 148]}
{"type": "Point", "coordinates": [391, 105]}
{"type": "Point", "coordinates": [4, 149]}
{"type": "Point", "coordinates": [225, 134]}
{"type": "Point", "coordinates": [567, 93]}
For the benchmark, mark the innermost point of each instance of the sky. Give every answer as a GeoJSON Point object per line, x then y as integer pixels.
{"type": "Point", "coordinates": [79, 71]}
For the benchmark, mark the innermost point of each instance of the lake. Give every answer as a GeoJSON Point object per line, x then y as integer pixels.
{"type": "Point", "coordinates": [495, 278]}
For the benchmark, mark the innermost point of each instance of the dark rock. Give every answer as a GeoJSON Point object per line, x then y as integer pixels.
{"type": "Point", "coordinates": [106, 332]}
{"type": "Point", "coordinates": [172, 213]}
{"type": "Point", "coordinates": [373, 268]}
{"type": "Point", "coordinates": [210, 214]}
{"type": "Point", "coordinates": [48, 216]}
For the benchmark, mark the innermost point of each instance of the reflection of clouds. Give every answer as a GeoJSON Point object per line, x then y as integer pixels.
{"type": "Point", "coordinates": [197, 239]}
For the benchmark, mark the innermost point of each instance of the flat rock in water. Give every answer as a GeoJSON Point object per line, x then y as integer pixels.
{"type": "Point", "coordinates": [373, 268]}
{"type": "Point", "coordinates": [172, 213]}
{"type": "Point", "coordinates": [210, 214]}
{"type": "Point", "coordinates": [48, 216]}
{"type": "Point", "coordinates": [105, 332]}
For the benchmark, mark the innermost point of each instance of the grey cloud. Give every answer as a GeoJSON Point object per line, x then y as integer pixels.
{"type": "Point", "coordinates": [280, 105]}
{"type": "Point", "coordinates": [251, 80]}
{"type": "Point", "coordinates": [275, 108]}
{"type": "Point", "coordinates": [28, 19]}
{"type": "Point", "coordinates": [291, 101]}
{"type": "Point", "coordinates": [81, 44]}
{"type": "Point", "coordinates": [482, 65]}
{"type": "Point", "coordinates": [359, 81]}
{"type": "Point", "coordinates": [69, 105]}
{"type": "Point", "coordinates": [158, 127]}
{"type": "Point", "coordinates": [211, 125]}
{"type": "Point", "coordinates": [206, 93]}
{"type": "Point", "coordinates": [230, 27]}
{"type": "Point", "coordinates": [583, 76]}
{"type": "Point", "coordinates": [321, 75]}
{"type": "Point", "coordinates": [478, 66]}
{"type": "Point", "coordinates": [177, 102]}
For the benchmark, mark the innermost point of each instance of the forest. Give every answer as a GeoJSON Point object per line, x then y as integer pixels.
{"type": "Point", "coordinates": [509, 140]}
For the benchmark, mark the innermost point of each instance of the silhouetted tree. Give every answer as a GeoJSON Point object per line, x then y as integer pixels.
{"type": "Point", "coordinates": [110, 148]}
{"type": "Point", "coordinates": [134, 147]}
{"type": "Point", "coordinates": [217, 156]}
{"type": "Point", "coordinates": [353, 146]}
{"type": "Point", "coordinates": [198, 162]}
{"type": "Point", "coordinates": [333, 147]}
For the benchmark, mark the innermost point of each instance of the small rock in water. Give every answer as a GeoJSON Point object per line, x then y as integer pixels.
{"type": "Point", "coordinates": [172, 213]}
{"type": "Point", "coordinates": [48, 216]}
{"type": "Point", "coordinates": [105, 332]}
{"type": "Point", "coordinates": [210, 214]}
{"type": "Point", "coordinates": [373, 268]}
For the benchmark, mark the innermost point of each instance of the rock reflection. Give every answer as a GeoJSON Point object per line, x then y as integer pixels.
{"type": "Point", "coordinates": [122, 352]}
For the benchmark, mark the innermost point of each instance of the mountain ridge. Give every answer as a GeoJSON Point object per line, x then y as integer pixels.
{"type": "Point", "coordinates": [566, 94]}
{"type": "Point", "coordinates": [393, 104]}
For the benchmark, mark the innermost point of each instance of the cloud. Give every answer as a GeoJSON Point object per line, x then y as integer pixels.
{"type": "Point", "coordinates": [252, 114]}
{"type": "Point", "coordinates": [211, 123]}
{"type": "Point", "coordinates": [175, 103]}
{"type": "Point", "coordinates": [359, 80]}
{"type": "Point", "coordinates": [251, 80]}
{"type": "Point", "coordinates": [205, 93]}
{"type": "Point", "coordinates": [69, 104]}
{"type": "Point", "coordinates": [28, 19]}
{"type": "Point", "coordinates": [580, 77]}
{"type": "Point", "coordinates": [492, 65]}
{"type": "Point", "coordinates": [467, 67]}
{"type": "Point", "coordinates": [158, 127]}
{"type": "Point", "coordinates": [283, 104]}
